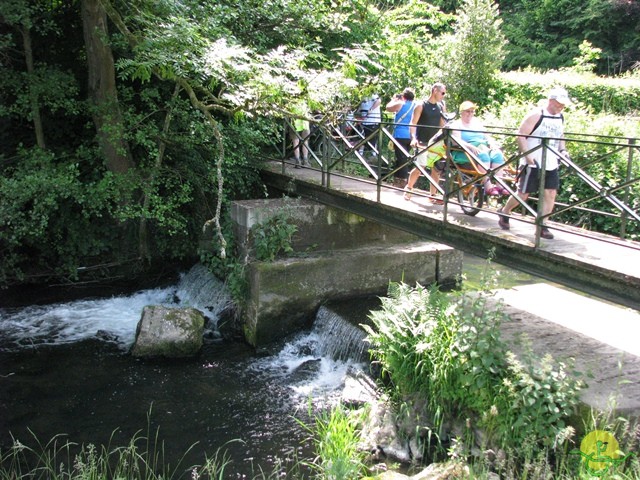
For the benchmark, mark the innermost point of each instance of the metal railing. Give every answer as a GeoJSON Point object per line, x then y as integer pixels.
{"type": "Point", "coordinates": [340, 148]}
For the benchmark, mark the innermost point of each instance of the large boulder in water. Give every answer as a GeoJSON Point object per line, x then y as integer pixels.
{"type": "Point", "coordinates": [169, 332]}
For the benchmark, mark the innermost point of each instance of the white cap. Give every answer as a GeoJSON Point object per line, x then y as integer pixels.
{"type": "Point", "coordinates": [560, 95]}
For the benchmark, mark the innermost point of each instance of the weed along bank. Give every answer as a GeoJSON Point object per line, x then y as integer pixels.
{"type": "Point", "coordinates": [323, 253]}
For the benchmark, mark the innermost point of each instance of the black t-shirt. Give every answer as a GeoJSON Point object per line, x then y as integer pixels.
{"type": "Point", "coordinates": [429, 121]}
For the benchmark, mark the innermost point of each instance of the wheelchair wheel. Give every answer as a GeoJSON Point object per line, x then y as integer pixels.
{"type": "Point", "coordinates": [470, 196]}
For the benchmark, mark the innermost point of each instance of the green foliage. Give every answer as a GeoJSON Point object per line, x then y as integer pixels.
{"type": "Point", "coordinates": [450, 353]}
{"type": "Point", "coordinates": [336, 435]}
{"type": "Point", "coordinates": [405, 49]}
{"type": "Point", "coordinates": [548, 35]}
{"type": "Point", "coordinates": [54, 90]}
{"type": "Point", "coordinates": [620, 96]}
{"type": "Point", "coordinates": [589, 55]}
{"type": "Point", "coordinates": [49, 217]}
{"type": "Point", "coordinates": [273, 237]}
{"type": "Point", "coordinates": [474, 52]}
{"type": "Point", "coordinates": [537, 398]}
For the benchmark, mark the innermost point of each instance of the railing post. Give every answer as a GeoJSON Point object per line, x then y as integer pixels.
{"type": "Point", "coordinates": [284, 143]}
{"type": "Point", "coordinates": [324, 158]}
{"type": "Point", "coordinates": [627, 190]}
{"type": "Point", "coordinates": [541, 183]}
{"type": "Point", "coordinates": [447, 174]}
{"type": "Point", "coordinates": [379, 162]}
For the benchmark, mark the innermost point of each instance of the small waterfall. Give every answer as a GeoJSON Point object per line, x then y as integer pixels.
{"type": "Point", "coordinates": [338, 338]}
{"type": "Point", "coordinates": [115, 317]}
{"type": "Point", "coordinates": [199, 288]}
{"type": "Point", "coordinates": [315, 363]}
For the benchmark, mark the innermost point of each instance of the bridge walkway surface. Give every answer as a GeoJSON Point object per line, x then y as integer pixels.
{"type": "Point", "coordinates": [559, 316]}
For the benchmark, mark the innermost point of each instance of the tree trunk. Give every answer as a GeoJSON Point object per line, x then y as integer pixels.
{"type": "Point", "coordinates": [102, 88]}
{"type": "Point", "coordinates": [35, 108]}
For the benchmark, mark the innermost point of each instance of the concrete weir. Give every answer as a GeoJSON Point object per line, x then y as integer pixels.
{"type": "Point", "coordinates": [336, 255]}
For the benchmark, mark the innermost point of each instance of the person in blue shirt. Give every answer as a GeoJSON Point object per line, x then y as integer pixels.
{"type": "Point", "coordinates": [402, 105]}
{"type": "Point", "coordinates": [469, 131]}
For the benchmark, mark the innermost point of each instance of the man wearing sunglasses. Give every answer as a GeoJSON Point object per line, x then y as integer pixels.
{"type": "Point", "coordinates": [428, 117]}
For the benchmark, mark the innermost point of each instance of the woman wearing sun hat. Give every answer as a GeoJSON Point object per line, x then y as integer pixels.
{"type": "Point", "coordinates": [470, 133]}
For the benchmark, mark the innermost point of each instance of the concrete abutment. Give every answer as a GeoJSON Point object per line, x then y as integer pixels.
{"type": "Point", "coordinates": [335, 255]}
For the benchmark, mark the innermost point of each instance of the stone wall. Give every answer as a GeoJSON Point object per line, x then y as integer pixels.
{"type": "Point", "coordinates": [336, 255]}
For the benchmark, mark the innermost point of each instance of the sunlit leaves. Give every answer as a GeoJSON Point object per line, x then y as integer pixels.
{"type": "Point", "coordinates": [447, 352]}
{"type": "Point", "coordinates": [476, 51]}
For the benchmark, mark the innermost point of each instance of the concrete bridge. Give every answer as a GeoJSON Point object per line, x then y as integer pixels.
{"type": "Point", "coordinates": [598, 264]}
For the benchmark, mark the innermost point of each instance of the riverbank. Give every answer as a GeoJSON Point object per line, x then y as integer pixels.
{"type": "Point", "coordinates": [598, 337]}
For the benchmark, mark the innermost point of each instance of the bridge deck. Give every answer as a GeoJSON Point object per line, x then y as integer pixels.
{"type": "Point", "coordinates": [598, 264]}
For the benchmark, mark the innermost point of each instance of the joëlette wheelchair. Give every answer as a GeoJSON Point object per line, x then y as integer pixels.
{"type": "Point", "coordinates": [465, 180]}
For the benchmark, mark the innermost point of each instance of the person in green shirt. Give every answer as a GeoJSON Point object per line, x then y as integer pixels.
{"type": "Point", "coordinates": [299, 134]}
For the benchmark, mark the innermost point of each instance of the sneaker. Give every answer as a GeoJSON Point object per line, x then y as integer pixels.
{"type": "Point", "coordinates": [503, 220]}
{"type": "Point", "coordinates": [545, 233]}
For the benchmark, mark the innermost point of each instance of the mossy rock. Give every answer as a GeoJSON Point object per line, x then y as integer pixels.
{"type": "Point", "coordinates": [169, 332]}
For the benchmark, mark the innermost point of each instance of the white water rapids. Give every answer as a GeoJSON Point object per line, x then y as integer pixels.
{"type": "Point", "coordinates": [65, 369]}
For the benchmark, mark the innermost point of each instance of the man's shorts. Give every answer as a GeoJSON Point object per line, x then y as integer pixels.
{"type": "Point", "coordinates": [433, 157]}
{"type": "Point", "coordinates": [530, 180]}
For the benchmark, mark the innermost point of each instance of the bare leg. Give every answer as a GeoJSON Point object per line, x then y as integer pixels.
{"type": "Point", "coordinates": [413, 178]}
{"type": "Point", "coordinates": [513, 203]}
{"type": "Point", "coordinates": [549, 200]}
{"type": "Point", "coordinates": [435, 174]}
{"type": "Point", "coordinates": [305, 151]}
{"type": "Point", "coordinates": [411, 181]}
{"type": "Point", "coordinates": [295, 141]}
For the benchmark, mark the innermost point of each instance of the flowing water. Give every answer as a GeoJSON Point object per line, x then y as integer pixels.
{"type": "Point", "coordinates": [65, 369]}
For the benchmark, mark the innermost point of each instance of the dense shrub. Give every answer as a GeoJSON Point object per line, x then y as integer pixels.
{"type": "Point", "coordinates": [599, 144]}
{"type": "Point", "coordinates": [607, 159]}
{"type": "Point", "coordinates": [615, 95]}
{"type": "Point", "coordinates": [449, 351]}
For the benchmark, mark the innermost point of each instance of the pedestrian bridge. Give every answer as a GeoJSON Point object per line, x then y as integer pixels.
{"type": "Point", "coordinates": [607, 266]}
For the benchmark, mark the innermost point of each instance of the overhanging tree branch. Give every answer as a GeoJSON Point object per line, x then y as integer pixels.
{"type": "Point", "coordinates": [197, 103]}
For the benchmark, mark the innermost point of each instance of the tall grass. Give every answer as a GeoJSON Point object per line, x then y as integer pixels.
{"type": "Point", "coordinates": [336, 437]}
{"type": "Point", "coordinates": [141, 459]}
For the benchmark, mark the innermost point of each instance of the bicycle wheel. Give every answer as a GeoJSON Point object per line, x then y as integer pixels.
{"type": "Point", "coordinates": [470, 196]}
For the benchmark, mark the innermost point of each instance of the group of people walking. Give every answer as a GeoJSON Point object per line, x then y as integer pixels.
{"type": "Point", "coordinates": [416, 123]}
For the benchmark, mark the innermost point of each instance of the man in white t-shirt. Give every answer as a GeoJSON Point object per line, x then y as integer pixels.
{"type": "Point", "coordinates": [369, 112]}
{"type": "Point", "coordinates": [545, 122]}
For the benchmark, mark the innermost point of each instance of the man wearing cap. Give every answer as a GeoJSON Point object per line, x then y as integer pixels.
{"type": "Point", "coordinates": [547, 123]}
